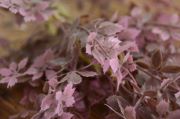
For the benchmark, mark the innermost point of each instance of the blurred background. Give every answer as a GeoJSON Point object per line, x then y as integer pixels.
{"type": "Point", "coordinates": [14, 33]}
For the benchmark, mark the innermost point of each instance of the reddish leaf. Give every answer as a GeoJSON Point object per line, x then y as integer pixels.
{"type": "Point", "coordinates": [171, 69]}
{"type": "Point", "coordinates": [157, 59]}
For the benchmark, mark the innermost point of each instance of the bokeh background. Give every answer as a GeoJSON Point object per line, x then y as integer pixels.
{"type": "Point", "coordinates": [14, 36]}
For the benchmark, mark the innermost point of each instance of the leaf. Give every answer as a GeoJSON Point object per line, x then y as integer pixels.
{"type": "Point", "coordinates": [130, 33]}
{"type": "Point", "coordinates": [10, 81]}
{"type": "Point", "coordinates": [72, 77]}
{"type": "Point", "coordinates": [130, 112]}
{"type": "Point", "coordinates": [66, 115]}
{"type": "Point", "coordinates": [109, 28]}
{"type": "Point", "coordinates": [170, 69]}
{"type": "Point", "coordinates": [157, 59]}
{"type": "Point", "coordinates": [62, 61]}
{"type": "Point", "coordinates": [142, 64]}
{"type": "Point", "coordinates": [37, 76]}
{"type": "Point", "coordinates": [46, 102]}
{"type": "Point", "coordinates": [13, 66]}
{"type": "Point", "coordinates": [87, 73]}
{"type": "Point", "coordinates": [177, 95]}
{"type": "Point", "coordinates": [5, 72]}
{"type": "Point", "coordinates": [68, 95]}
{"type": "Point", "coordinates": [50, 74]}
{"type": "Point", "coordinates": [162, 108]}
{"type": "Point", "coordinates": [22, 63]}
{"type": "Point", "coordinates": [114, 63]}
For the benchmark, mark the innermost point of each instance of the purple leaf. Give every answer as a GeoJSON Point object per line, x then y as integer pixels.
{"type": "Point", "coordinates": [50, 74]}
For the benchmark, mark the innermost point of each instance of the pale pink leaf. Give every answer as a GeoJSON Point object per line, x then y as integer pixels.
{"type": "Point", "coordinates": [37, 76]}
{"type": "Point", "coordinates": [66, 115]}
{"type": "Point", "coordinates": [13, 66]}
{"type": "Point", "coordinates": [87, 73]}
{"type": "Point", "coordinates": [130, 112]}
{"type": "Point", "coordinates": [114, 64]}
{"type": "Point", "coordinates": [5, 72]}
{"type": "Point", "coordinates": [50, 74]}
{"type": "Point", "coordinates": [22, 63]}
{"type": "Point", "coordinates": [162, 108]}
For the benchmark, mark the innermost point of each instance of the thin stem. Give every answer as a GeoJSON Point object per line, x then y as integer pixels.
{"type": "Point", "coordinates": [87, 66]}
{"type": "Point", "coordinates": [148, 73]}
{"type": "Point", "coordinates": [138, 102]}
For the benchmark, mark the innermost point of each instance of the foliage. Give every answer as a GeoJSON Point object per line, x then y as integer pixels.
{"type": "Point", "coordinates": [124, 67]}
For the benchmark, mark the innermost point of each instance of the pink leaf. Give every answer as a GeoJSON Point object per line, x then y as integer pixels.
{"type": "Point", "coordinates": [68, 95]}
{"type": "Point", "coordinates": [12, 81]}
{"type": "Point", "coordinates": [37, 76]}
{"type": "Point", "coordinates": [72, 77]}
{"type": "Point", "coordinates": [5, 72]}
{"type": "Point", "coordinates": [31, 71]}
{"type": "Point", "coordinates": [109, 28]}
{"type": "Point", "coordinates": [87, 73]}
{"type": "Point", "coordinates": [130, 33]}
{"type": "Point", "coordinates": [66, 115]}
{"type": "Point", "coordinates": [130, 112]}
{"type": "Point", "coordinates": [22, 63]}
{"type": "Point", "coordinates": [90, 40]}
{"type": "Point", "coordinates": [46, 102]}
{"type": "Point", "coordinates": [114, 63]}
{"type": "Point", "coordinates": [13, 66]}
{"type": "Point", "coordinates": [50, 74]}
{"type": "Point", "coordinates": [162, 108]}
